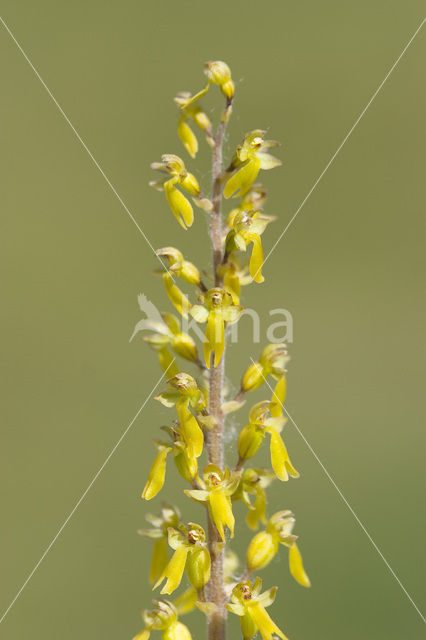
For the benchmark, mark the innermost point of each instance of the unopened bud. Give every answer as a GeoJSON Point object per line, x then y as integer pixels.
{"type": "Point", "coordinates": [187, 466]}
{"type": "Point", "coordinates": [190, 184]}
{"type": "Point", "coordinates": [228, 89]}
{"type": "Point", "coordinates": [217, 72]}
{"type": "Point", "coordinates": [185, 347]}
{"type": "Point", "coordinates": [202, 120]}
{"type": "Point", "coordinates": [190, 273]}
{"type": "Point", "coordinates": [252, 378]}
{"type": "Point", "coordinates": [249, 441]}
{"type": "Point", "coordinates": [261, 550]}
{"type": "Point", "coordinates": [198, 567]}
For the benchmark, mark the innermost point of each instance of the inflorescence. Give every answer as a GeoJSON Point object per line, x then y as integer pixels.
{"type": "Point", "coordinates": [190, 436]}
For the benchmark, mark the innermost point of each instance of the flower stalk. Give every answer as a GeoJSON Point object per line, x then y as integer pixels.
{"type": "Point", "coordinates": [216, 622]}
{"type": "Point", "coordinates": [182, 552]}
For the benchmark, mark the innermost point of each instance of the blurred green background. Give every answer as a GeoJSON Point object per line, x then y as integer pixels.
{"type": "Point", "coordinates": [350, 269]}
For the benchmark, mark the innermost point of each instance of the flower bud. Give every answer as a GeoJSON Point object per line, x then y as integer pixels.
{"type": "Point", "coordinates": [190, 184]}
{"type": "Point", "coordinates": [228, 89]}
{"type": "Point", "coordinates": [202, 120]}
{"type": "Point", "coordinates": [177, 631]}
{"type": "Point", "coordinates": [252, 378]}
{"type": "Point", "coordinates": [189, 272]}
{"type": "Point", "coordinates": [249, 441]}
{"type": "Point", "coordinates": [186, 465]}
{"type": "Point", "coordinates": [217, 72]}
{"type": "Point", "coordinates": [180, 206]}
{"type": "Point", "coordinates": [198, 567]}
{"type": "Point", "coordinates": [261, 550]}
{"type": "Point", "coordinates": [248, 627]}
{"type": "Point", "coordinates": [185, 347]}
{"type": "Point", "coordinates": [188, 138]}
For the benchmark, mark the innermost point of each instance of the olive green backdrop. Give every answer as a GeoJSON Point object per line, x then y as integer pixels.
{"type": "Point", "coordinates": [350, 269]}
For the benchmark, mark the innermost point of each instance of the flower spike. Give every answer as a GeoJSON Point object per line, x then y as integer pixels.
{"type": "Point", "coordinates": [202, 398]}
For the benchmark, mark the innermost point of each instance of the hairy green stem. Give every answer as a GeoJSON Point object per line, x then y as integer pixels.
{"type": "Point", "coordinates": [216, 626]}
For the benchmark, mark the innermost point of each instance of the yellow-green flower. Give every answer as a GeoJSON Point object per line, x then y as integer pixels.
{"type": "Point", "coordinates": [191, 431]}
{"type": "Point", "coordinates": [217, 489]}
{"type": "Point", "coordinates": [157, 474]}
{"type": "Point", "coordinates": [184, 393]}
{"type": "Point", "coordinates": [182, 386]}
{"type": "Point", "coordinates": [252, 435]}
{"type": "Point", "coordinates": [247, 228]}
{"type": "Point", "coordinates": [190, 550]}
{"type": "Point", "coordinates": [218, 308]}
{"type": "Point", "coordinates": [194, 113]}
{"type": "Point", "coordinates": [185, 460]}
{"type": "Point", "coordinates": [250, 605]}
{"type": "Point", "coordinates": [181, 208]}
{"type": "Point", "coordinates": [264, 546]}
{"type": "Point", "coordinates": [188, 440]}
{"type": "Point", "coordinates": [163, 617]}
{"type": "Point", "coordinates": [170, 517]}
{"type": "Point", "coordinates": [250, 202]}
{"type": "Point", "coordinates": [272, 362]}
{"type": "Point", "coordinates": [179, 266]}
{"type": "Point", "coordinates": [250, 157]}
{"type": "Point", "coordinates": [234, 276]}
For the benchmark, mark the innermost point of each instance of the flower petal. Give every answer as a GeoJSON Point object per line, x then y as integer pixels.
{"type": "Point", "coordinates": [159, 561]}
{"type": "Point", "coordinates": [241, 181]}
{"type": "Point", "coordinates": [267, 161]}
{"type": "Point", "coordinates": [221, 510]}
{"type": "Point", "coordinates": [157, 475]}
{"type": "Point", "coordinates": [180, 206]}
{"type": "Point", "coordinates": [176, 296]}
{"type": "Point", "coordinates": [188, 138]}
{"type": "Point", "coordinates": [264, 623]}
{"type": "Point", "coordinates": [174, 570]}
{"type": "Point", "coordinates": [256, 259]}
{"type": "Point", "coordinates": [215, 337]}
{"type": "Point", "coordinates": [278, 397]}
{"type": "Point", "coordinates": [296, 566]}
{"type": "Point", "coordinates": [280, 460]}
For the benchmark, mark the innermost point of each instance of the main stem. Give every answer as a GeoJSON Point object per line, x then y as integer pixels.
{"type": "Point", "coordinates": [216, 626]}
